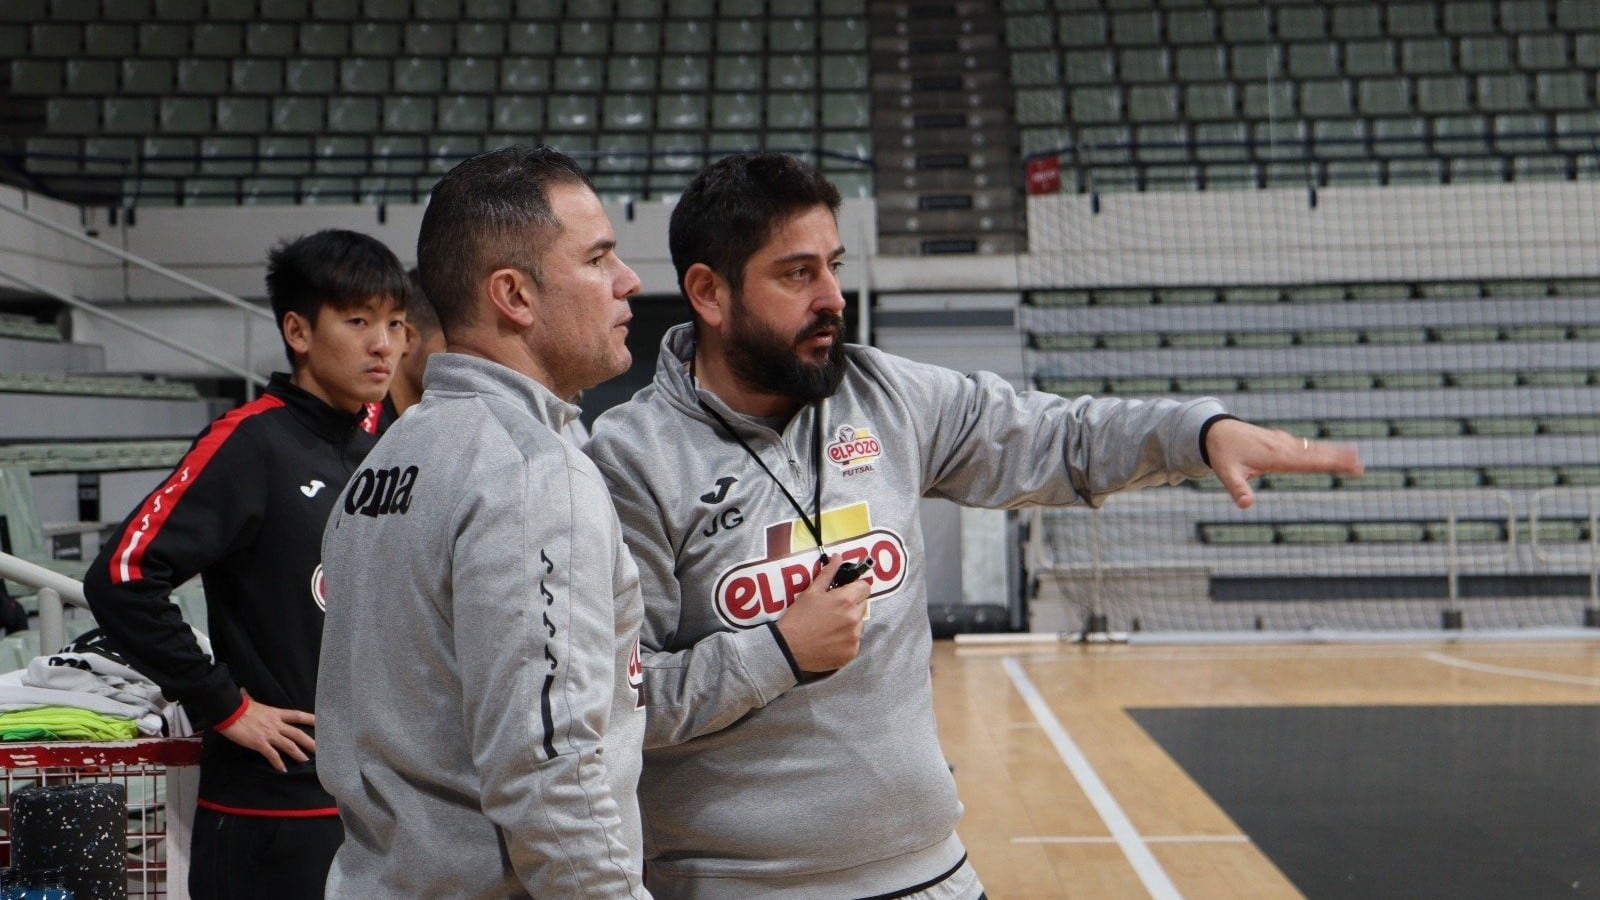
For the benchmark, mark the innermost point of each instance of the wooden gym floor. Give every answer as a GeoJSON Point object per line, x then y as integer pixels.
{"type": "Point", "coordinates": [1068, 795]}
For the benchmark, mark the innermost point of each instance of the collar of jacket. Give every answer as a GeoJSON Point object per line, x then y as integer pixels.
{"type": "Point", "coordinates": [459, 372]}
{"type": "Point", "coordinates": [333, 424]}
{"type": "Point", "coordinates": [677, 381]}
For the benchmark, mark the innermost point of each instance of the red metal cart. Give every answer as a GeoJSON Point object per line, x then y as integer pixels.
{"type": "Point", "coordinates": [161, 777]}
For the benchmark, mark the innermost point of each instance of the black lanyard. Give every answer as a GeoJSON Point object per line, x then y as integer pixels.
{"type": "Point", "coordinates": [816, 499]}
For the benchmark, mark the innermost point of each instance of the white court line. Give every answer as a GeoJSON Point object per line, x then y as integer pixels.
{"type": "Point", "coordinates": [1122, 831]}
{"type": "Point", "coordinates": [1148, 839]}
{"type": "Point", "coordinates": [1534, 674]}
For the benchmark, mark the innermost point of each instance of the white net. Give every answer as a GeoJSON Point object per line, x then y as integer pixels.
{"type": "Point", "coordinates": [1452, 333]}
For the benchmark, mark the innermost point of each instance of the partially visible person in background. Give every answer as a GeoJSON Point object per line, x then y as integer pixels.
{"type": "Point", "coordinates": [245, 510]}
{"type": "Point", "coordinates": [424, 338]}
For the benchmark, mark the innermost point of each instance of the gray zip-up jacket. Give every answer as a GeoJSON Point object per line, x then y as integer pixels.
{"type": "Point", "coordinates": [479, 715]}
{"type": "Point", "coordinates": [755, 784]}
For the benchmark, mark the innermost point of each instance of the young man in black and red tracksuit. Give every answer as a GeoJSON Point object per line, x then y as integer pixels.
{"type": "Point", "coordinates": [245, 510]}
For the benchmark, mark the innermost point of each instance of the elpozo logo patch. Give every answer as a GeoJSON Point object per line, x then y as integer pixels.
{"type": "Point", "coordinates": [319, 588]}
{"type": "Point", "coordinates": [853, 449]}
{"type": "Point", "coordinates": [759, 590]}
{"type": "Point", "coordinates": [636, 675]}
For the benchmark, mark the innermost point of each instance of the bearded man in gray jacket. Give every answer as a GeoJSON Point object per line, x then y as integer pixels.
{"type": "Point", "coordinates": [480, 713]}
{"type": "Point", "coordinates": [791, 748]}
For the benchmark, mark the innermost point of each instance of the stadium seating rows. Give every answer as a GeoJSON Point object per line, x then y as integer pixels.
{"type": "Point", "coordinates": [1398, 531]}
{"type": "Point", "coordinates": [1164, 95]}
{"type": "Point", "coordinates": [1445, 385]}
{"type": "Point", "coordinates": [92, 456]}
{"type": "Point", "coordinates": [240, 101]}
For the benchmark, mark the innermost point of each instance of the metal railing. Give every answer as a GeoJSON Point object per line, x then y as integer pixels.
{"type": "Point", "coordinates": [55, 593]}
{"type": "Point", "coordinates": [1552, 556]}
{"type": "Point", "coordinates": [252, 311]}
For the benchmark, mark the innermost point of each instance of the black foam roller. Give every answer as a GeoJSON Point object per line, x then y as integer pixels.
{"type": "Point", "coordinates": [81, 829]}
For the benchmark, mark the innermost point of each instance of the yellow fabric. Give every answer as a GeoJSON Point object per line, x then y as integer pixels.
{"type": "Point", "coordinates": [64, 723]}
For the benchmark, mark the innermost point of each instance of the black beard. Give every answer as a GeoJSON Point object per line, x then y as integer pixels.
{"type": "Point", "coordinates": [771, 364]}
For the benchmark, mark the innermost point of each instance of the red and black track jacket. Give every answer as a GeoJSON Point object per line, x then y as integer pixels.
{"type": "Point", "coordinates": [244, 509]}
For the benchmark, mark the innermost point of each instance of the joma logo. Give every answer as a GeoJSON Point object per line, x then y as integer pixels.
{"type": "Point", "coordinates": [378, 492]}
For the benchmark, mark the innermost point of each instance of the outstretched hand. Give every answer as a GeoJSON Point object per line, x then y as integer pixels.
{"type": "Point", "coordinates": [1240, 451]}
{"type": "Point", "coordinates": [273, 732]}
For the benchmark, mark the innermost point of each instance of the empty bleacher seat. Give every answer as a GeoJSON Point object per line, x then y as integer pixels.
{"type": "Point", "coordinates": [41, 77]}
{"type": "Point", "coordinates": [572, 113]}
{"type": "Point", "coordinates": [1369, 58]}
{"type": "Point", "coordinates": [223, 40]}
{"type": "Point", "coordinates": [1387, 532]}
{"type": "Point", "coordinates": [1444, 477]}
{"type": "Point", "coordinates": [480, 38]}
{"type": "Point", "coordinates": [1236, 534]}
{"type": "Point", "coordinates": [1485, 53]}
{"type": "Point", "coordinates": [146, 76]}
{"type": "Point", "coordinates": [1465, 532]}
{"type": "Point", "coordinates": [270, 39]}
{"type": "Point", "coordinates": [324, 38]}
{"type": "Point", "coordinates": [627, 112]}
{"type": "Point", "coordinates": [91, 76]}
{"type": "Point", "coordinates": [685, 73]}
{"type": "Point", "coordinates": [1428, 170]}
{"type": "Point", "coordinates": [794, 72]}
{"type": "Point", "coordinates": [386, 39]}
{"type": "Point", "coordinates": [418, 74]}
{"type": "Point", "coordinates": [284, 155]}
{"type": "Point", "coordinates": [353, 115]}
{"type": "Point", "coordinates": [463, 114]}
{"type": "Point", "coordinates": [1563, 90]}
{"type": "Point", "coordinates": [631, 73]}
{"type": "Point", "coordinates": [242, 115]}
{"type": "Point", "coordinates": [584, 37]}
{"type": "Point", "coordinates": [1426, 56]}
{"type": "Point", "coordinates": [226, 155]}
{"type": "Point", "coordinates": [738, 73]}
{"type": "Point", "coordinates": [1580, 475]}
{"type": "Point", "coordinates": [1247, 25]}
{"type": "Point", "coordinates": [641, 37]}
{"type": "Point", "coordinates": [686, 36]}
{"type": "Point", "coordinates": [128, 115]}
{"type": "Point", "coordinates": [1542, 51]}
{"type": "Point", "coordinates": [1191, 26]}
{"type": "Point", "coordinates": [525, 38]}
{"type": "Point", "coordinates": [735, 111]}
{"type": "Point", "coordinates": [1313, 532]}
{"type": "Point", "coordinates": [524, 75]}
{"type": "Point", "coordinates": [579, 74]}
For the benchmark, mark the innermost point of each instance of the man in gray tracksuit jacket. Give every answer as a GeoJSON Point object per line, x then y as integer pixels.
{"type": "Point", "coordinates": [764, 777]}
{"type": "Point", "coordinates": [480, 711]}
{"type": "Point", "coordinates": [843, 772]}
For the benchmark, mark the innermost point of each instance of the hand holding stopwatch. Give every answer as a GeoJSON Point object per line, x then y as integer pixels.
{"type": "Point", "coordinates": [849, 572]}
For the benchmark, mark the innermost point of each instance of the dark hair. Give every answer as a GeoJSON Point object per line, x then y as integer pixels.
{"type": "Point", "coordinates": [336, 268]}
{"type": "Point", "coordinates": [489, 212]}
{"type": "Point", "coordinates": [419, 309]}
{"type": "Point", "coordinates": [731, 208]}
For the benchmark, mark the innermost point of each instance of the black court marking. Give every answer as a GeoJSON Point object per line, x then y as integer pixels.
{"type": "Point", "coordinates": [1491, 802]}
